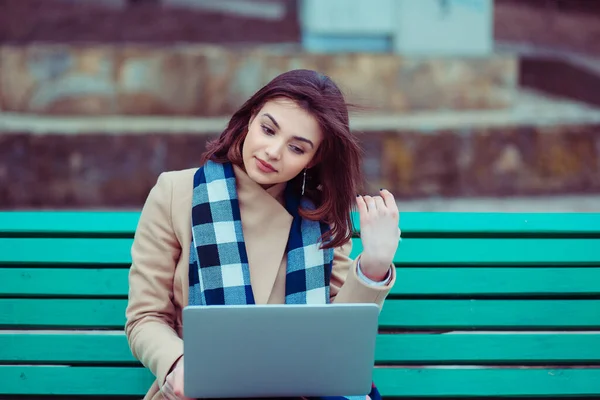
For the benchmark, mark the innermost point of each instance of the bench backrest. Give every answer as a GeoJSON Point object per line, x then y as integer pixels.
{"type": "Point", "coordinates": [485, 305]}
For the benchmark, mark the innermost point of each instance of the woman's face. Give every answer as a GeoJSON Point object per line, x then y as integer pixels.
{"type": "Point", "coordinates": [282, 140]}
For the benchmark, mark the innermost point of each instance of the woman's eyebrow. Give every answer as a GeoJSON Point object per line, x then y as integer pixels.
{"type": "Point", "coordinates": [301, 139]}
{"type": "Point", "coordinates": [272, 119]}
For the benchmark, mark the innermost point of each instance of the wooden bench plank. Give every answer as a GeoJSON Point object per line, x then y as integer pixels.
{"type": "Point", "coordinates": [397, 382]}
{"type": "Point", "coordinates": [504, 281]}
{"type": "Point", "coordinates": [64, 380]}
{"type": "Point", "coordinates": [410, 251]}
{"type": "Point", "coordinates": [490, 314]}
{"type": "Point", "coordinates": [458, 348]}
{"type": "Point", "coordinates": [421, 382]}
{"type": "Point", "coordinates": [69, 222]}
{"type": "Point", "coordinates": [489, 348]}
{"type": "Point", "coordinates": [84, 313]}
{"type": "Point", "coordinates": [400, 314]}
{"type": "Point", "coordinates": [125, 222]}
{"type": "Point", "coordinates": [526, 224]}
{"type": "Point", "coordinates": [494, 251]}
{"type": "Point", "coordinates": [60, 281]}
{"type": "Point", "coordinates": [65, 347]}
{"type": "Point", "coordinates": [65, 250]}
{"type": "Point", "coordinates": [420, 281]}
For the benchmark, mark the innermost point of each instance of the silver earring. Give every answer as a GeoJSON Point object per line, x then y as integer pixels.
{"type": "Point", "coordinates": [303, 182]}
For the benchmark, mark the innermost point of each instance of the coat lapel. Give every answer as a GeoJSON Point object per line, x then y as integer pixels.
{"type": "Point", "coordinates": [266, 225]}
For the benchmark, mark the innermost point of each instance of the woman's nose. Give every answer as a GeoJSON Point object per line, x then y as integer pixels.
{"type": "Point", "coordinates": [273, 151]}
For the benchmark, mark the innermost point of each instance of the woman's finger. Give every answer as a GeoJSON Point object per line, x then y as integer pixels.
{"type": "Point", "coordinates": [389, 199]}
{"type": "Point", "coordinates": [380, 204]}
{"type": "Point", "coordinates": [371, 208]}
{"type": "Point", "coordinates": [361, 205]}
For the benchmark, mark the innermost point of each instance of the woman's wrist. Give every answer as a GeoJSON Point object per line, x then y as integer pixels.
{"type": "Point", "coordinates": [377, 272]}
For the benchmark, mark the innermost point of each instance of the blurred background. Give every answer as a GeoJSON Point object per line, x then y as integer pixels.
{"type": "Point", "coordinates": [470, 105]}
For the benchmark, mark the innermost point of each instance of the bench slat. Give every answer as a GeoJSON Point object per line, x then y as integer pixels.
{"type": "Point", "coordinates": [403, 314]}
{"type": "Point", "coordinates": [490, 314]}
{"type": "Point", "coordinates": [420, 281]}
{"type": "Point", "coordinates": [527, 224]}
{"type": "Point", "coordinates": [494, 251]}
{"type": "Point", "coordinates": [125, 222]}
{"type": "Point", "coordinates": [485, 348]}
{"type": "Point", "coordinates": [398, 382]}
{"type": "Point", "coordinates": [65, 250]}
{"type": "Point", "coordinates": [55, 348]}
{"type": "Point", "coordinates": [505, 281]}
{"type": "Point", "coordinates": [88, 313]}
{"type": "Point", "coordinates": [410, 251]}
{"type": "Point", "coordinates": [64, 380]}
{"type": "Point", "coordinates": [69, 222]}
{"type": "Point", "coordinates": [64, 281]}
{"type": "Point", "coordinates": [458, 348]}
{"type": "Point", "coordinates": [418, 382]}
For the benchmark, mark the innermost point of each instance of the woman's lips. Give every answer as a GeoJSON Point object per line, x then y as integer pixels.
{"type": "Point", "coordinates": [265, 166]}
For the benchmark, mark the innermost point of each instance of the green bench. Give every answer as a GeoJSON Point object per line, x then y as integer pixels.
{"type": "Point", "coordinates": [485, 306]}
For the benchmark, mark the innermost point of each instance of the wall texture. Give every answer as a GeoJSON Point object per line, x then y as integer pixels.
{"type": "Point", "coordinates": [118, 170]}
{"type": "Point", "coordinates": [210, 80]}
{"type": "Point", "coordinates": [144, 21]}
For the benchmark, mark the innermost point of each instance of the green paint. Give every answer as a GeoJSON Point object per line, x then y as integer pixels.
{"type": "Point", "coordinates": [65, 251]}
{"type": "Point", "coordinates": [460, 252]}
{"type": "Point", "coordinates": [111, 222]}
{"type": "Point", "coordinates": [490, 314]}
{"type": "Point", "coordinates": [477, 349]}
{"type": "Point", "coordinates": [66, 313]}
{"type": "Point", "coordinates": [64, 281]}
{"type": "Point", "coordinates": [460, 348]}
{"type": "Point", "coordinates": [497, 281]}
{"type": "Point", "coordinates": [421, 382]}
{"type": "Point", "coordinates": [397, 382]}
{"type": "Point", "coordinates": [65, 348]}
{"type": "Point", "coordinates": [413, 314]}
{"type": "Point", "coordinates": [410, 251]}
{"type": "Point", "coordinates": [528, 272]}
{"type": "Point", "coordinates": [412, 281]}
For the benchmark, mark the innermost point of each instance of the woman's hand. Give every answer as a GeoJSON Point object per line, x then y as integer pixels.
{"type": "Point", "coordinates": [379, 233]}
{"type": "Point", "coordinates": [173, 387]}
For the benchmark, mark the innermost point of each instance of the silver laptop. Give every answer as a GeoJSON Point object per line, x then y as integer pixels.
{"type": "Point", "coordinates": [279, 350]}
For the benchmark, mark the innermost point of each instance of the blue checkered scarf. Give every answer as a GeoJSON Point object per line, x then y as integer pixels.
{"type": "Point", "coordinates": [218, 265]}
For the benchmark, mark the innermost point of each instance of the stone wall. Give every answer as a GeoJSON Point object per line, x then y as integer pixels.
{"type": "Point", "coordinates": [213, 81]}
{"type": "Point", "coordinates": [117, 170]}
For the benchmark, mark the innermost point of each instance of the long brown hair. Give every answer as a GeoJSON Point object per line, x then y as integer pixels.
{"type": "Point", "coordinates": [333, 179]}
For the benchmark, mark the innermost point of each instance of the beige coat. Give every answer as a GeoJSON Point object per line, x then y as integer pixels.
{"type": "Point", "coordinates": [158, 279]}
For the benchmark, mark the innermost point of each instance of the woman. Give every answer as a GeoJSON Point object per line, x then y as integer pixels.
{"type": "Point", "coordinates": [273, 196]}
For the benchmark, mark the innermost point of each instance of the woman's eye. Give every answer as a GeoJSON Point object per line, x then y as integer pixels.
{"type": "Point", "coordinates": [297, 149]}
{"type": "Point", "coordinates": [267, 130]}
